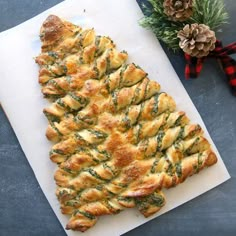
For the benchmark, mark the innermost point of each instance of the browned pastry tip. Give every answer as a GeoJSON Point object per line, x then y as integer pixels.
{"type": "Point", "coordinates": [80, 222]}
{"type": "Point", "coordinates": [196, 162]}
{"type": "Point", "coordinates": [211, 159]}
{"type": "Point", "coordinates": [53, 29]}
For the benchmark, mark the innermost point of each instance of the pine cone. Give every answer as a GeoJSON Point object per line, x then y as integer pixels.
{"type": "Point", "coordinates": [197, 40]}
{"type": "Point", "coordinates": [178, 10]}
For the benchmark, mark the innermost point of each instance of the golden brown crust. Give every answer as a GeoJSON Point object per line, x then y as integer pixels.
{"type": "Point", "coordinates": [117, 139]}
{"type": "Point", "coordinates": [52, 29]}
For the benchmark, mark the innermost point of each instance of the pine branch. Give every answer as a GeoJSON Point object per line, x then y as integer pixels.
{"type": "Point", "coordinates": [156, 20]}
{"type": "Point", "coordinates": [209, 12]}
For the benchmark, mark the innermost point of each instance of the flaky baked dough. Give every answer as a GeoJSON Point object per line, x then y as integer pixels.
{"type": "Point", "coordinates": [118, 139]}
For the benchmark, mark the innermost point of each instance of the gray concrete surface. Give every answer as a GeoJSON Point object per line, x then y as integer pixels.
{"type": "Point", "coordinates": [25, 211]}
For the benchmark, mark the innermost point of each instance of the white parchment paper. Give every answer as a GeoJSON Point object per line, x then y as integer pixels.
{"type": "Point", "coordinates": [23, 103]}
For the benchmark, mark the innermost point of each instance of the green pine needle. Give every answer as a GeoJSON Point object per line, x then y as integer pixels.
{"type": "Point", "coordinates": [208, 12]}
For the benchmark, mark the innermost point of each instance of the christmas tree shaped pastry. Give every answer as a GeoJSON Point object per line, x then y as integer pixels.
{"type": "Point", "coordinates": [117, 140]}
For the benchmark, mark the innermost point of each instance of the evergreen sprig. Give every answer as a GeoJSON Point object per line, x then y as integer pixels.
{"type": "Point", "coordinates": [208, 12]}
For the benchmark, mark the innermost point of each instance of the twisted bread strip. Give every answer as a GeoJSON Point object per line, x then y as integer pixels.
{"type": "Point", "coordinates": [93, 88]}
{"type": "Point", "coordinates": [86, 46]}
{"type": "Point", "coordinates": [135, 94]}
{"type": "Point", "coordinates": [69, 75]}
{"type": "Point", "coordinates": [71, 143]}
{"type": "Point", "coordinates": [160, 172]}
{"type": "Point", "coordinates": [87, 216]}
{"type": "Point", "coordinates": [134, 135]}
{"type": "Point", "coordinates": [145, 129]}
{"type": "Point", "coordinates": [178, 173]}
{"type": "Point", "coordinates": [100, 173]}
{"type": "Point", "coordinates": [160, 165]}
{"type": "Point", "coordinates": [150, 145]}
{"type": "Point", "coordinates": [134, 114]}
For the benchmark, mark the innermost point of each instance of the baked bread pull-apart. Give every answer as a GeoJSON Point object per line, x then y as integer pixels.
{"type": "Point", "coordinates": [117, 140]}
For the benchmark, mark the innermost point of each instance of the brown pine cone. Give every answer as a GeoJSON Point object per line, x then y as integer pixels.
{"type": "Point", "coordinates": [197, 40]}
{"type": "Point", "coordinates": [178, 10]}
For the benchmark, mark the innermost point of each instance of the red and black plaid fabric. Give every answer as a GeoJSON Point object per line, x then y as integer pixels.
{"type": "Point", "coordinates": [194, 65]}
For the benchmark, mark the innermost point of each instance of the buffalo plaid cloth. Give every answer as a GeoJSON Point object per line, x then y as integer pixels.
{"type": "Point", "coordinates": [194, 65]}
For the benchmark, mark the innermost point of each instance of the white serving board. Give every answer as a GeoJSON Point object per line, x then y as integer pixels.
{"type": "Point", "coordinates": [23, 103]}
